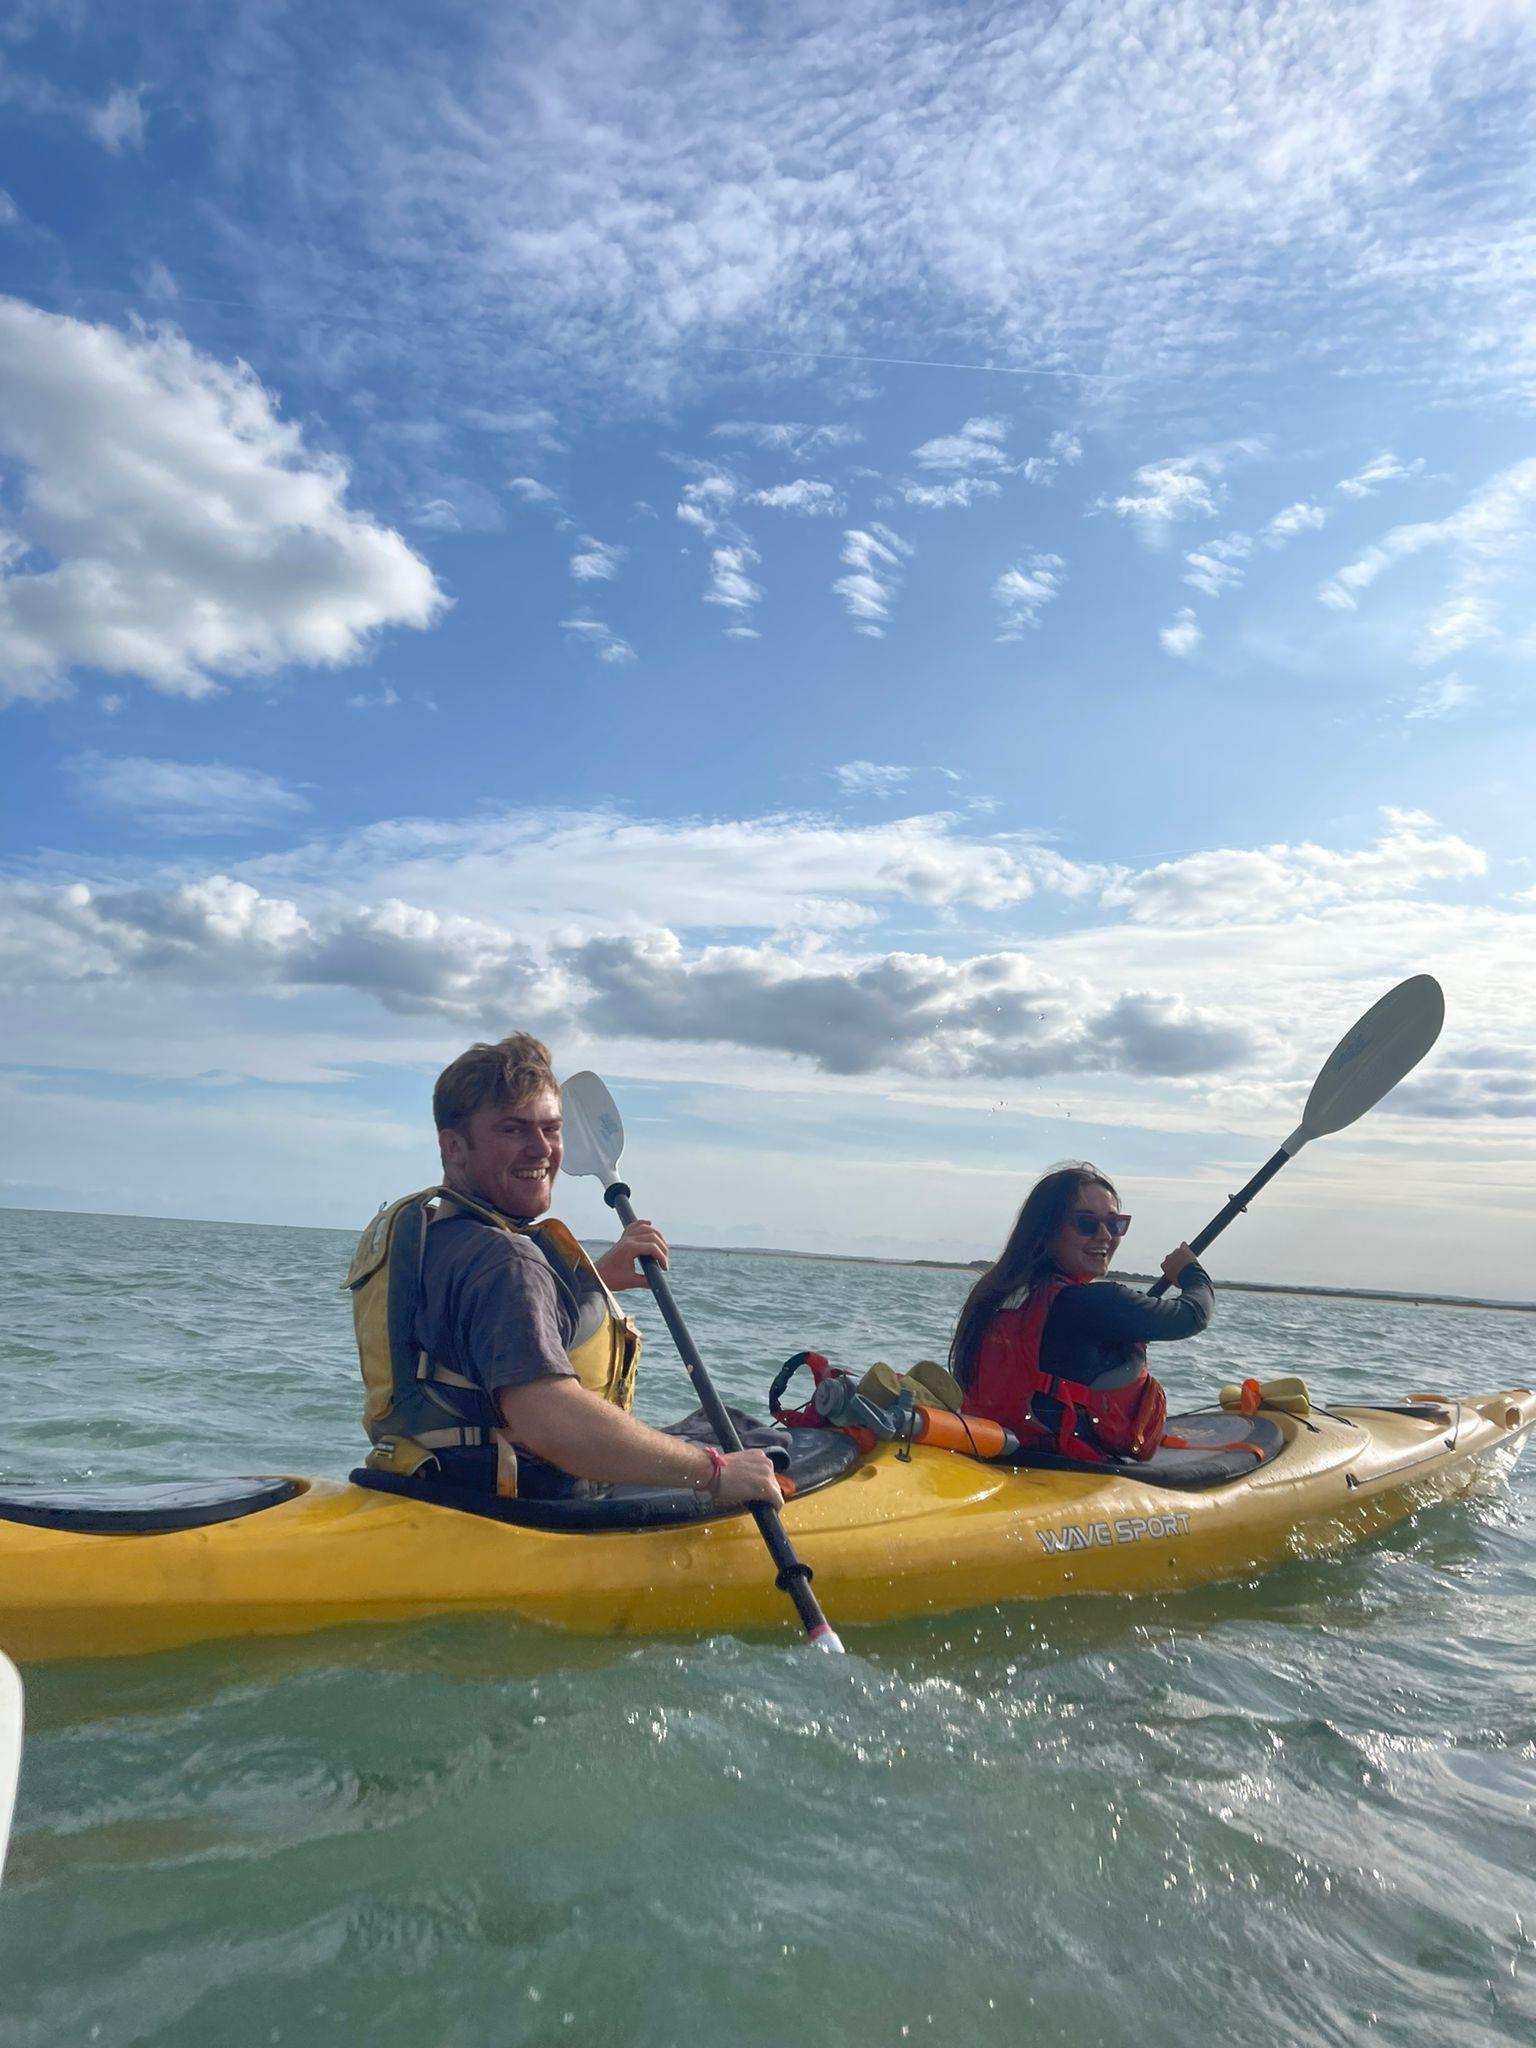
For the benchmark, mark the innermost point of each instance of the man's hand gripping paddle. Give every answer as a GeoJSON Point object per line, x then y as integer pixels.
{"type": "Point", "coordinates": [594, 1138]}
{"type": "Point", "coordinates": [1387, 1043]}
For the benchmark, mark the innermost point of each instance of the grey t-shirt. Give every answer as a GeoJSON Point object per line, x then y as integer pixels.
{"type": "Point", "coordinates": [498, 1308]}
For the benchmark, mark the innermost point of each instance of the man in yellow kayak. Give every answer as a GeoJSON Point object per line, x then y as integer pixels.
{"type": "Point", "coordinates": [493, 1351]}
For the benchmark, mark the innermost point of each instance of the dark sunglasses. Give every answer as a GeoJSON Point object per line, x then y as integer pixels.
{"type": "Point", "coordinates": [1089, 1225]}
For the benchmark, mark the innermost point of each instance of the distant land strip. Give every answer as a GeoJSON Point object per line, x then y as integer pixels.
{"type": "Point", "coordinates": [1400, 1298]}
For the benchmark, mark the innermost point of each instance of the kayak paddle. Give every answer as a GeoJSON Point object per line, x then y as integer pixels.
{"type": "Point", "coordinates": [1387, 1043]}
{"type": "Point", "coordinates": [594, 1138]}
{"type": "Point", "coordinates": [10, 1748]}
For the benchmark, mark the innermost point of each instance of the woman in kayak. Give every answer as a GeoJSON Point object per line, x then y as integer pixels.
{"type": "Point", "coordinates": [1060, 1363]}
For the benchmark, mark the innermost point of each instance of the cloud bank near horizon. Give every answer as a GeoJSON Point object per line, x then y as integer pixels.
{"type": "Point", "coordinates": [1264, 934]}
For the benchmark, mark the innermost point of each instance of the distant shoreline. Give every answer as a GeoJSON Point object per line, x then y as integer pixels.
{"type": "Point", "coordinates": [1400, 1300]}
{"type": "Point", "coordinates": [762, 1251]}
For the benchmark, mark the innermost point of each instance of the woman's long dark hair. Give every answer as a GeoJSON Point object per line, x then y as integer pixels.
{"type": "Point", "coordinates": [1026, 1258]}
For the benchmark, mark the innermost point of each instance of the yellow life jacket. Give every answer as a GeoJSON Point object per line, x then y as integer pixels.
{"type": "Point", "coordinates": [415, 1405]}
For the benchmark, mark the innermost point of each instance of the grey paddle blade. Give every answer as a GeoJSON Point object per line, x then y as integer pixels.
{"type": "Point", "coordinates": [10, 1747]}
{"type": "Point", "coordinates": [1387, 1043]}
{"type": "Point", "coordinates": [594, 1130]}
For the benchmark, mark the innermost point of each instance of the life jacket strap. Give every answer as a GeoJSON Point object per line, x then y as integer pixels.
{"type": "Point", "coordinates": [428, 1368]}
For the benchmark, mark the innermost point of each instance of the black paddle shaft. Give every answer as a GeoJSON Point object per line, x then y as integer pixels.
{"type": "Point", "coordinates": [1235, 1207]}
{"type": "Point", "coordinates": [794, 1576]}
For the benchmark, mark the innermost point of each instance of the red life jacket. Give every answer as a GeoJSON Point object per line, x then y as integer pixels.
{"type": "Point", "coordinates": [1098, 1424]}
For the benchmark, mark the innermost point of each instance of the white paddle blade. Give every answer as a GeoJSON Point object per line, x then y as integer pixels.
{"type": "Point", "coordinates": [10, 1747]}
{"type": "Point", "coordinates": [594, 1130]}
{"type": "Point", "coordinates": [1387, 1043]}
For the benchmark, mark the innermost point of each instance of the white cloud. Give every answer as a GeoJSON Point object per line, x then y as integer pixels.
{"type": "Point", "coordinates": [413, 914]}
{"type": "Point", "coordinates": [597, 561]}
{"type": "Point", "coordinates": [439, 515]}
{"type": "Point", "coordinates": [603, 641]}
{"type": "Point", "coordinates": [1183, 636]}
{"type": "Point", "coordinates": [10, 212]}
{"type": "Point", "coordinates": [531, 491]}
{"type": "Point", "coordinates": [221, 932]}
{"type": "Point", "coordinates": [997, 1016]}
{"type": "Point", "coordinates": [804, 495]}
{"type": "Point", "coordinates": [385, 698]}
{"type": "Point", "coordinates": [1339, 593]}
{"type": "Point", "coordinates": [118, 123]}
{"type": "Point", "coordinates": [1169, 491]}
{"type": "Point", "coordinates": [706, 501]}
{"type": "Point", "coordinates": [524, 422]}
{"type": "Point", "coordinates": [1041, 469]}
{"type": "Point", "coordinates": [1275, 882]}
{"type": "Point", "coordinates": [788, 437]}
{"type": "Point", "coordinates": [1438, 699]}
{"type": "Point", "coordinates": [185, 799]}
{"type": "Point", "coordinates": [1210, 568]}
{"type": "Point", "coordinates": [1382, 469]}
{"type": "Point", "coordinates": [628, 196]}
{"type": "Point", "coordinates": [977, 446]}
{"type": "Point", "coordinates": [1024, 592]}
{"type": "Point", "coordinates": [170, 525]}
{"type": "Point", "coordinates": [729, 583]}
{"type": "Point", "coordinates": [1302, 517]}
{"type": "Point", "coordinates": [972, 459]}
{"type": "Point", "coordinates": [158, 282]}
{"type": "Point", "coordinates": [871, 778]}
{"type": "Point", "coordinates": [595, 868]}
{"type": "Point", "coordinates": [962, 492]}
{"type": "Point", "coordinates": [1476, 1094]}
{"type": "Point", "coordinates": [1491, 544]}
{"type": "Point", "coordinates": [458, 505]}
{"type": "Point", "coordinates": [409, 919]}
{"type": "Point", "coordinates": [992, 1016]}
{"type": "Point", "coordinates": [874, 558]}
{"type": "Point", "coordinates": [586, 873]}
{"type": "Point", "coordinates": [205, 932]}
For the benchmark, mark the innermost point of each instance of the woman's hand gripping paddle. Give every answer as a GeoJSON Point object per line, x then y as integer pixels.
{"type": "Point", "coordinates": [1387, 1043]}
{"type": "Point", "coordinates": [10, 1747]}
{"type": "Point", "coordinates": [594, 1138]}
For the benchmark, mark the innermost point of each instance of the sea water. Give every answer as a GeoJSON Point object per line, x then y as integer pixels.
{"type": "Point", "coordinates": [1292, 1810]}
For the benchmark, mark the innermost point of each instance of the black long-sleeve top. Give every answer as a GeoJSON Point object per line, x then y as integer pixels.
{"type": "Point", "coordinates": [1095, 1333]}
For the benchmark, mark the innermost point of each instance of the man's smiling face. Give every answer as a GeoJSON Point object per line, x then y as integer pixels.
{"type": "Point", "coordinates": [508, 1156]}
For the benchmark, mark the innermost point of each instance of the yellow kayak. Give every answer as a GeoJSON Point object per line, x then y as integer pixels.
{"type": "Point", "coordinates": [928, 1531]}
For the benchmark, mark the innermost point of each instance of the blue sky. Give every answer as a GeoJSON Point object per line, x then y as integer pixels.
{"type": "Point", "coordinates": [929, 591]}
